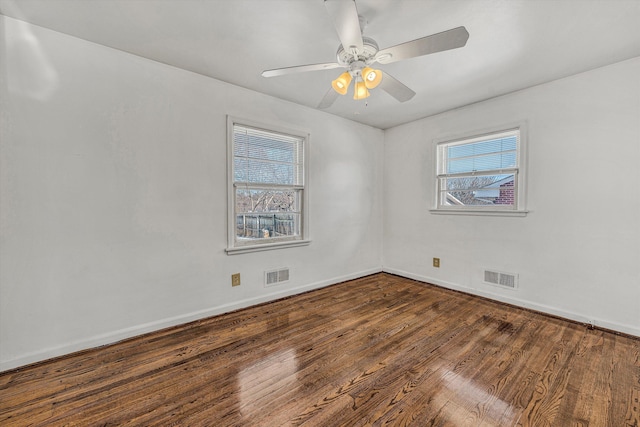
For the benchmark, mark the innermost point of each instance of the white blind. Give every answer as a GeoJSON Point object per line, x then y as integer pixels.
{"type": "Point", "coordinates": [496, 152]}
{"type": "Point", "coordinates": [266, 157]}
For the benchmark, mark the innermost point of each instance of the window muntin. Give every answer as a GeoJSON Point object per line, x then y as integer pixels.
{"type": "Point", "coordinates": [479, 173]}
{"type": "Point", "coordinates": [267, 180]}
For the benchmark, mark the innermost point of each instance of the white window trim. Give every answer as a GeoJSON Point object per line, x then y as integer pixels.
{"type": "Point", "coordinates": [521, 176]}
{"type": "Point", "coordinates": [266, 244]}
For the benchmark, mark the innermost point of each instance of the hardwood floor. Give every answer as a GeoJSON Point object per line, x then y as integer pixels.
{"type": "Point", "coordinates": [381, 350]}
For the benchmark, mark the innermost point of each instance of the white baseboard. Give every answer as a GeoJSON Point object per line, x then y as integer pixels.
{"type": "Point", "coordinates": [555, 311]}
{"type": "Point", "coordinates": [122, 334]}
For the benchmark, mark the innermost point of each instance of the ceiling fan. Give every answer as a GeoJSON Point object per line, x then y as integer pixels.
{"type": "Point", "coordinates": [357, 54]}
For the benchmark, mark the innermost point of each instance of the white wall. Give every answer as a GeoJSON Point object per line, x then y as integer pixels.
{"type": "Point", "coordinates": [578, 250]}
{"type": "Point", "coordinates": [113, 196]}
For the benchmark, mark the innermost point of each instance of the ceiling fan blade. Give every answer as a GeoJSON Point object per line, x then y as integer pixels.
{"type": "Point", "coordinates": [396, 89]}
{"type": "Point", "coordinates": [344, 15]}
{"type": "Point", "coordinates": [450, 39]}
{"type": "Point", "coordinates": [300, 69]}
{"type": "Point", "coordinates": [329, 98]}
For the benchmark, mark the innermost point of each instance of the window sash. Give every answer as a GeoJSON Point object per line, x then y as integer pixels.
{"type": "Point", "coordinates": [500, 194]}
{"type": "Point", "coordinates": [267, 226]}
{"type": "Point", "coordinates": [266, 186]}
{"type": "Point", "coordinates": [479, 173]}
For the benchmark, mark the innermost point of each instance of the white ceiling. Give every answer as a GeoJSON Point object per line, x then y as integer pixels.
{"type": "Point", "coordinates": [513, 44]}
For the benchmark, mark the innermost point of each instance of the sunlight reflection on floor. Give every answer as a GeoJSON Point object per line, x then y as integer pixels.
{"type": "Point", "coordinates": [262, 382]}
{"type": "Point", "coordinates": [467, 402]}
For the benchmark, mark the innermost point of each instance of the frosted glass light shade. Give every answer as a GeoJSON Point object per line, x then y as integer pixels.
{"type": "Point", "coordinates": [341, 84]}
{"type": "Point", "coordinates": [371, 77]}
{"type": "Point", "coordinates": [360, 91]}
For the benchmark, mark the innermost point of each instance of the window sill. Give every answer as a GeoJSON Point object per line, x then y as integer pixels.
{"type": "Point", "coordinates": [480, 212]}
{"type": "Point", "coordinates": [266, 247]}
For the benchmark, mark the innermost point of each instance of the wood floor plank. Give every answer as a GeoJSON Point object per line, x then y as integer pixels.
{"type": "Point", "coordinates": [377, 351]}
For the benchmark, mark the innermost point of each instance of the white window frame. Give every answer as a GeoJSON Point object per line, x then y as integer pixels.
{"type": "Point", "coordinates": [234, 246]}
{"type": "Point", "coordinates": [519, 171]}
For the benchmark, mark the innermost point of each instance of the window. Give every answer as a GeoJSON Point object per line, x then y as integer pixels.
{"type": "Point", "coordinates": [266, 187]}
{"type": "Point", "coordinates": [481, 174]}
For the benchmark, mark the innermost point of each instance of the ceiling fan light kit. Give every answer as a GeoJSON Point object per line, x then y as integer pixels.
{"type": "Point", "coordinates": [357, 53]}
{"type": "Point", "coordinates": [365, 78]}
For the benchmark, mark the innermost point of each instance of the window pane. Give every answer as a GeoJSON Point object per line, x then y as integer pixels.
{"type": "Point", "coordinates": [483, 147]}
{"type": "Point", "coordinates": [260, 226]}
{"type": "Point", "coordinates": [487, 190]}
{"type": "Point", "coordinates": [482, 163]}
{"type": "Point", "coordinates": [269, 173]}
{"type": "Point", "coordinates": [267, 200]}
{"type": "Point", "coordinates": [491, 154]}
{"type": "Point", "coordinates": [267, 157]}
{"type": "Point", "coordinates": [262, 148]}
{"type": "Point", "coordinates": [240, 169]}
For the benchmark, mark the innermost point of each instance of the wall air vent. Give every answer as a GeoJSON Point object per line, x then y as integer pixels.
{"type": "Point", "coordinates": [275, 277]}
{"type": "Point", "coordinates": [506, 280]}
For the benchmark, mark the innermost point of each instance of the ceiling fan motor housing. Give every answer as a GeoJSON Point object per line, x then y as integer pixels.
{"type": "Point", "coordinates": [370, 48]}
